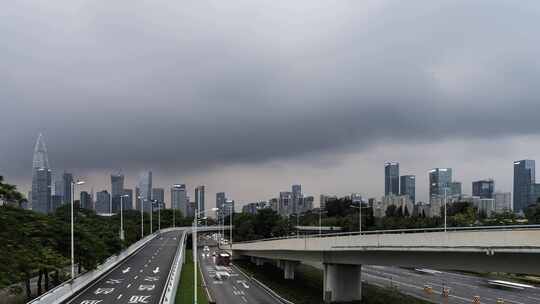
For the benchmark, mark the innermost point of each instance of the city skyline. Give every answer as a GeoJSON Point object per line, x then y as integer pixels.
{"type": "Point", "coordinates": [146, 176]}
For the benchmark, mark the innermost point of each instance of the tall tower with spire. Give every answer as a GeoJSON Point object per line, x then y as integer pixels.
{"type": "Point", "coordinates": [41, 178]}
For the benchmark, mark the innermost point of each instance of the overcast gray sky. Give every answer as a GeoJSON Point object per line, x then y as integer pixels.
{"type": "Point", "coordinates": [250, 96]}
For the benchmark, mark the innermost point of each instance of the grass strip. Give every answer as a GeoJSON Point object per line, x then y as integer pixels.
{"type": "Point", "coordinates": [184, 294]}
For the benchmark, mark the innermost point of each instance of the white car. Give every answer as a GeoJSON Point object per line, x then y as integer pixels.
{"type": "Point", "coordinates": [222, 275]}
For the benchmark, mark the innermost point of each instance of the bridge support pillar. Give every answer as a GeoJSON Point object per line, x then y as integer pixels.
{"type": "Point", "coordinates": [342, 283]}
{"type": "Point", "coordinates": [288, 269]}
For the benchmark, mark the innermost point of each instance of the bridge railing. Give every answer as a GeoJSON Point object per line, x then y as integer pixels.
{"type": "Point", "coordinates": [169, 292]}
{"type": "Point", "coordinates": [399, 231]}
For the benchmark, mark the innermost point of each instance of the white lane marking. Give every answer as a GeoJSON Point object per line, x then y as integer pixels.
{"type": "Point", "coordinates": [126, 270]}
{"type": "Point", "coordinates": [135, 277]}
{"type": "Point", "coordinates": [128, 285]}
{"type": "Point", "coordinates": [156, 270]}
{"type": "Point", "coordinates": [141, 270]}
{"type": "Point", "coordinates": [151, 279]}
{"type": "Point", "coordinates": [146, 287]}
{"type": "Point", "coordinates": [91, 301]}
{"type": "Point", "coordinates": [103, 291]}
{"type": "Point", "coordinates": [244, 299]}
{"type": "Point", "coordinates": [118, 298]}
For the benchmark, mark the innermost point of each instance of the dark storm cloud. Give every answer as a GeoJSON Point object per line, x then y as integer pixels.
{"type": "Point", "coordinates": [191, 85]}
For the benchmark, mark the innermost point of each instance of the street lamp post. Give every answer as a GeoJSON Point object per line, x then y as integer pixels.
{"type": "Point", "coordinates": [359, 207]}
{"type": "Point", "coordinates": [320, 220]}
{"type": "Point", "coordinates": [195, 257]}
{"type": "Point", "coordinates": [122, 237]}
{"type": "Point", "coordinates": [151, 211]}
{"type": "Point", "coordinates": [445, 209]}
{"type": "Point", "coordinates": [141, 206]}
{"type": "Point", "coordinates": [73, 184]}
{"type": "Point", "coordinates": [159, 217]}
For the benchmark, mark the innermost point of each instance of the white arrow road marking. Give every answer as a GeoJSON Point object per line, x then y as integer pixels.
{"type": "Point", "coordinates": [243, 283]}
{"type": "Point", "coordinates": [118, 298]}
{"type": "Point", "coordinates": [126, 270]}
{"type": "Point", "coordinates": [156, 270]}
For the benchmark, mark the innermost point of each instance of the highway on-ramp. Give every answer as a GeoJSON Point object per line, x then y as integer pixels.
{"type": "Point", "coordinates": [139, 279]}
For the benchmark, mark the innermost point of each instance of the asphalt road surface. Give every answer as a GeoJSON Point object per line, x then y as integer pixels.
{"type": "Point", "coordinates": [140, 279]}
{"type": "Point", "coordinates": [462, 287]}
{"type": "Point", "coordinates": [237, 289]}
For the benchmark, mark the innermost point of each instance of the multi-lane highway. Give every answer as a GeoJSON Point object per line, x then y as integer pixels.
{"type": "Point", "coordinates": [237, 289]}
{"type": "Point", "coordinates": [462, 287]}
{"type": "Point", "coordinates": [139, 279]}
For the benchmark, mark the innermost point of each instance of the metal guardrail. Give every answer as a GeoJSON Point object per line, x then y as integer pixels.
{"type": "Point", "coordinates": [401, 231]}
{"type": "Point", "coordinates": [169, 292]}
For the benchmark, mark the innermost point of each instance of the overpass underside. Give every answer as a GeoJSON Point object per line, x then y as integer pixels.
{"type": "Point", "coordinates": [342, 257]}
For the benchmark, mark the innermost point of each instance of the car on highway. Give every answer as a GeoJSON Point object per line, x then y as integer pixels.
{"type": "Point", "coordinates": [206, 249]}
{"type": "Point", "coordinates": [222, 275]}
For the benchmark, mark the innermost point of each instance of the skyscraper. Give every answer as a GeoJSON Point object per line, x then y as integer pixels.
{"type": "Point", "coordinates": [145, 188]}
{"type": "Point", "coordinates": [179, 200]}
{"type": "Point", "coordinates": [199, 197]}
{"type": "Point", "coordinates": [117, 190]}
{"type": "Point", "coordinates": [297, 199]}
{"type": "Point", "coordinates": [391, 178]}
{"type": "Point", "coordinates": [103, 199]}
{"type": "Point", "coordinates": [41, 178]}
{"type": "Point", "coordinates": [158, 194]}
{"type": "Point", "coordinates": [408, 187]}
{"type": "Point", "coordinates": [524, 177]}
{"type": "Point", "coordinates": [67, 181]}
{"type": "Point", "coordinates": [86, 200]}
{"type": "Point", "coordinates": [285, 203]}
{"type": "Point", "coordinates": [455, 189]}
{"type": "Point", "coordinates": [484, 188]}
{"type": "Point", "coordinates": [439, 180]}
{"type": "Point", "coordinates": [128, 200]}
{"type": "Point", "coordinates": [220, 200]}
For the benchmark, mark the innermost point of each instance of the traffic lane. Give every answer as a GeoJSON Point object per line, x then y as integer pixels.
{"type": "Point", "coordinates": [462, 287]}
{"type": "Point", "coordinates": [236, 289]}
{"type": "Point", "coordinates": [139, 279]}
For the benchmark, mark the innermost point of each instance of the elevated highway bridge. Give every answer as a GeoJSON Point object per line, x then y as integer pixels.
{"type": "Point", "coordinates": [513, 249]}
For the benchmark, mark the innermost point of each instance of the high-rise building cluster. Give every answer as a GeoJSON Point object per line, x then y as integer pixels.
{"type": "Point", "coordinates": [45, 199]}
{"type": "Point", "coordinates": [288, 203]}
{"type": "Point", "coordinates": [444, 189]}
